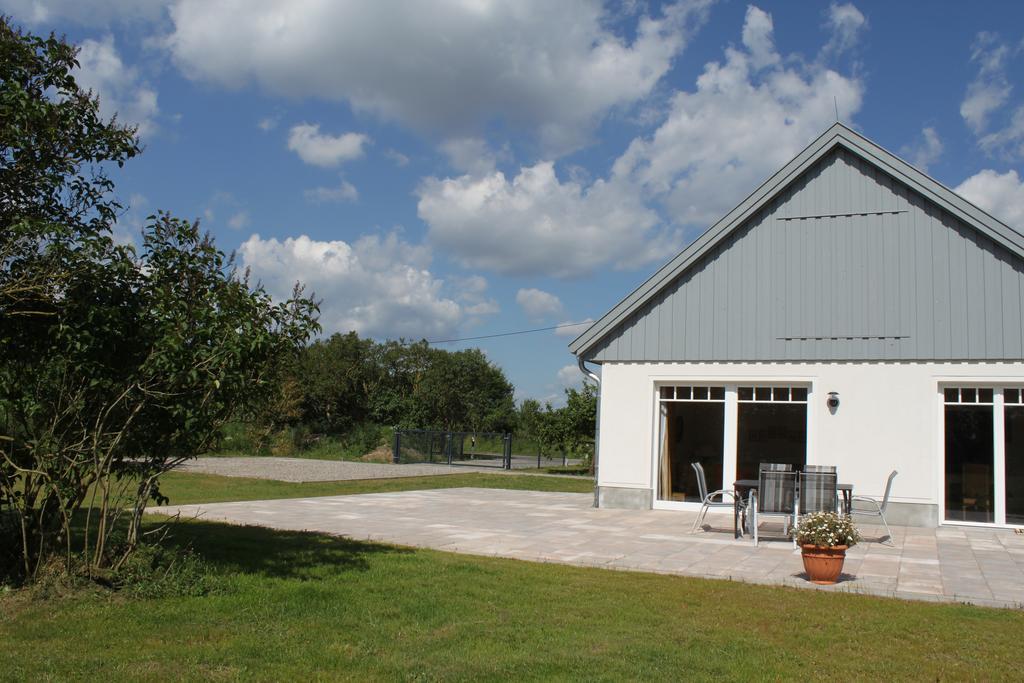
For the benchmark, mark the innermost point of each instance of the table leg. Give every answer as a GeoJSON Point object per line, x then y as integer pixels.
{"type": "Point", "coordinates": [736, 516]}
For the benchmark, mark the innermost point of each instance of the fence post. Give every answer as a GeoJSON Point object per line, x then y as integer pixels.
{"type": "Point", "coordinates": [396, 448]}
{"type": "Point", "coordinates": [508, 451]}
{"type": "Point", "coordinates": [448, 446]}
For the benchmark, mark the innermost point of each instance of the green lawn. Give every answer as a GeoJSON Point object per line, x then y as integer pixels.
{"type": "Point", "coordinates": [183, 488]}
{"type": "Point", "coordinates": [299, 606]}
{"type": "Point", "coordinates": [296, 606]}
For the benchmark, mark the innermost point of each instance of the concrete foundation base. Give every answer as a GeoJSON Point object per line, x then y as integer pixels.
{"type": "Point", "coordinates": [624, 499]}
{"type": "Point", "coordinates": [897, 514]}
{"type": "Point", "coordinates": [905, 514]}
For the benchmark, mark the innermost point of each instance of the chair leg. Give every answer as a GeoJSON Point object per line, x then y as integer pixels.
{"type": "Point", "coordinates": [699, 519]}
{"type": "Point", "coordinates": [888, 531]}
{"type": "Point", "coordinates": [753, 522]}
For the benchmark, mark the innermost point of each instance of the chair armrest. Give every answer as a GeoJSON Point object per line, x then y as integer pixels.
{"type": "Point", "coordinates": [864, 499]}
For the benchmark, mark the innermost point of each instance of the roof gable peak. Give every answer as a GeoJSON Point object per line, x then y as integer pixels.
{"type": "Point", "coordinates": [836, 135]}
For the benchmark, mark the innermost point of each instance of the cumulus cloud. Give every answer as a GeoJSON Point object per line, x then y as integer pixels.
{"type": "Point", "coordinates": [378, 287]}
{"type": "Point", "coordinates": [344, 192]}
{"type": "Point", "coordinates": [1001, 194]}
{"type": "Point", "coordinates": [322, 149]}
{"type": "Point", "coordinates": [400, 159]}
{"type": "Point", "coordinates": [746, 118]}
{"type": "Point", "coordinates": [552, 67]}
{"type": "Point", "coordinates": [925, 151]}
{"type": "Point", "coordinates": [847, 23]}
{"type": "Point", "coordinates": [471, 292]}
{"type": "Point", "coordinates": [535, 223]}
{"type": "Point", "coordinates": [990, 89]}
{"type": "Point", "coordinates": [569, 377]}
{"type": "Point", "coordinates": [119, 87]}
{"type": "Point", "coordinates": [470, 155]}
{"type": "Point", "coordinates": [759, 39]}
{"type": "Point", "coordinates": [538, 304]}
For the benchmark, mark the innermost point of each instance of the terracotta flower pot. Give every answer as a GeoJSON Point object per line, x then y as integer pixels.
{"type": "Point", "coordinates": [823, 565]}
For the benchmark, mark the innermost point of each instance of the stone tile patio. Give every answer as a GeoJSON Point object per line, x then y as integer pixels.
{"type": "Point", "coordinates": [953, 564]}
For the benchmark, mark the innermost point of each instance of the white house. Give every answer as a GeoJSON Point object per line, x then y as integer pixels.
{"type": "Point", "coordinates": [851, 272]}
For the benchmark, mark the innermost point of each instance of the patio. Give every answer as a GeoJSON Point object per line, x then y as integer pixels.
{"type": "Point", "coordinates": [954, 564]}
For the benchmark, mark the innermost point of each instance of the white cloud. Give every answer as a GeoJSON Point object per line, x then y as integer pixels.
{"type": "Point", "coordinates": [538, 304]}
{"type": "Point", "coordinates": [127, 229]}
{"type": "Point", "coordinates": [847, 23]}
{"type": "Point", "coordinates": [448, 66]}
{"type": "Point", "coordinates": [471, 292]}
{"type": "Point", "coordinates": [470, 155]}
{"type": "Point", "coordinates": [570, 377]}
{"type": "Point", "coordinates": [759, 39]}
{"type": "Point", "coordinates": [926, 151]}
{"type": "Point", "coordinates": [1008, 140]}
{"type": "Point", "coordinates": [990, 89]}
{"type": "Point", "coordinates": [573, 329]}
{"type": "Point", "coordinates": [119, 87]}
{"type": "Point", "coordinates": [85, 12]}
{"type": "Point", "coordinates": [400, 159]}
{"type": "Point", "coordinates": [537, 224]}
{"type": "Point", "coordinates": [321, 149]}
{"type": "Point", "coordinates": [741, 124]}
{"type": "Point", "coordinates": [345, 192]}
{"type": "Point", "coordinates": [1001, 194]}
{"type": "Point", "coordinates": [238, 220]}
{"type": "Point", "coordinates": [268, 123]}
{"type": "Point", "coordinates": [746, 118]}
{"type": "Point", "coordinates": [379, 287]}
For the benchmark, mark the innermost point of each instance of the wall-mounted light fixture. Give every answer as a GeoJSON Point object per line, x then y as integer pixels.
{"type": "Point", "coordinates": [833, 401]}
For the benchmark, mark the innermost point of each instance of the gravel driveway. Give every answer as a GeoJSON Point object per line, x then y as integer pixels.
{"type": "Point", "coordinates": [303, 469]}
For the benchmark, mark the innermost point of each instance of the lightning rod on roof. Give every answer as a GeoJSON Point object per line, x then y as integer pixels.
{"type": "Point", "coordinates": [835, 101]}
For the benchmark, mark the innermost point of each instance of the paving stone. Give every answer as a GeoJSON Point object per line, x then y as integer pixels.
{"type": "Point", "coordinates": [960, 565]}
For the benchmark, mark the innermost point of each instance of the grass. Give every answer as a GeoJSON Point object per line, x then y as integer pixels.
{"type": "Point", "coordinates": [305, 606]}
{"type": "Point", "coordinates": [184, 488]}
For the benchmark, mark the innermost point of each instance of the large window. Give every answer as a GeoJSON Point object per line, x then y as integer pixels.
{"type": "Point", "coordinates": [692, 431]}
{"type": "Point", "coordinates": [1013, 429]}
{"type": "Point", "coordinates": [771, 427]}
{"type": "Point", "coordinates": [970, 473]}
{"type": "Point", "coordinates": [765, 424]}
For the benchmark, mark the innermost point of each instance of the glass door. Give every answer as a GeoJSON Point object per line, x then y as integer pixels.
{"type": "Point", "coordinates": [1013, 455]}
{"type": "Point", "coordinates": [970, 454]}
{"type": "Point", "coordinates": [771, 427]}
{"type": "Point", "coordinates": [692, 431]}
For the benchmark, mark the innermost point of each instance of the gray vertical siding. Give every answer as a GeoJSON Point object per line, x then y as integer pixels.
{"type": "Point", "coordinates": [845, 264]}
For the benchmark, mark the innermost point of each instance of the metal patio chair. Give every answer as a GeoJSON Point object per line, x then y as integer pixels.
{"type": "Point", "coordinates": [875, 508]}
{"type": "Point", "coordinates": [819, 468]}
{"type": "Point", "coordinates": [818, 491]}
{"type": "Point", "coordinates": [774, 467]}
{"type": "Point", "coordinates": [774, 497]}
{"type": "Point", "coordinates": [708, 499]}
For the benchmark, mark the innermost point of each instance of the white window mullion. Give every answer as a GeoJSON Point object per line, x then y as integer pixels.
{"type": "Point", "coordinates": [729, 452]}
{"type": "Point", "coordinates": [999, 468]}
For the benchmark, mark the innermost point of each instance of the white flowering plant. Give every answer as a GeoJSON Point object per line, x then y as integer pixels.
{"type": "Point", "coordinates": [826, 530]}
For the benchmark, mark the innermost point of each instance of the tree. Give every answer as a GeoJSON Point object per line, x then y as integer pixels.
{"type": "Point", "coordinates": [54, 152]}
{"type": "Point", "coordinates": [116, 366]}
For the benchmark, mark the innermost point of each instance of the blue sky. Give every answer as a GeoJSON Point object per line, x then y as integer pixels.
{"type": "Point", "coordinates": [470, 167]}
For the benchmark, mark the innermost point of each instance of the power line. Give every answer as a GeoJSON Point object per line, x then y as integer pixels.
{"type": "Point", "coordinates": [509, 334]}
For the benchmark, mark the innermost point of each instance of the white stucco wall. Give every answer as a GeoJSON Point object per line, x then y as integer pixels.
{"type": "Point", "coordinates": [890, 417]}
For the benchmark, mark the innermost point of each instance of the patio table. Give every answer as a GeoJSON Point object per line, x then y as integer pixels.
{"type": "Point", "coordinates": [747, 485]}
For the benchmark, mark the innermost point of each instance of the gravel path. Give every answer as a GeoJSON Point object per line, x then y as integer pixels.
{"type": "Point", "coordinates": [303, 469]}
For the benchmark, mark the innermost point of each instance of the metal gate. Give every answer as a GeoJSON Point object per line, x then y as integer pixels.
{"type": "Point", "coordinates": [472, 449]}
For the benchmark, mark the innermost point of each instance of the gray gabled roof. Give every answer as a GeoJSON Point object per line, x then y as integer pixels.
{"type": "Point", "coordinates": [837, 135]}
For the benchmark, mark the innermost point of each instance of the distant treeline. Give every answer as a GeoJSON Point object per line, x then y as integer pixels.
{"type": "Point", "coordinates": [345, 386]}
